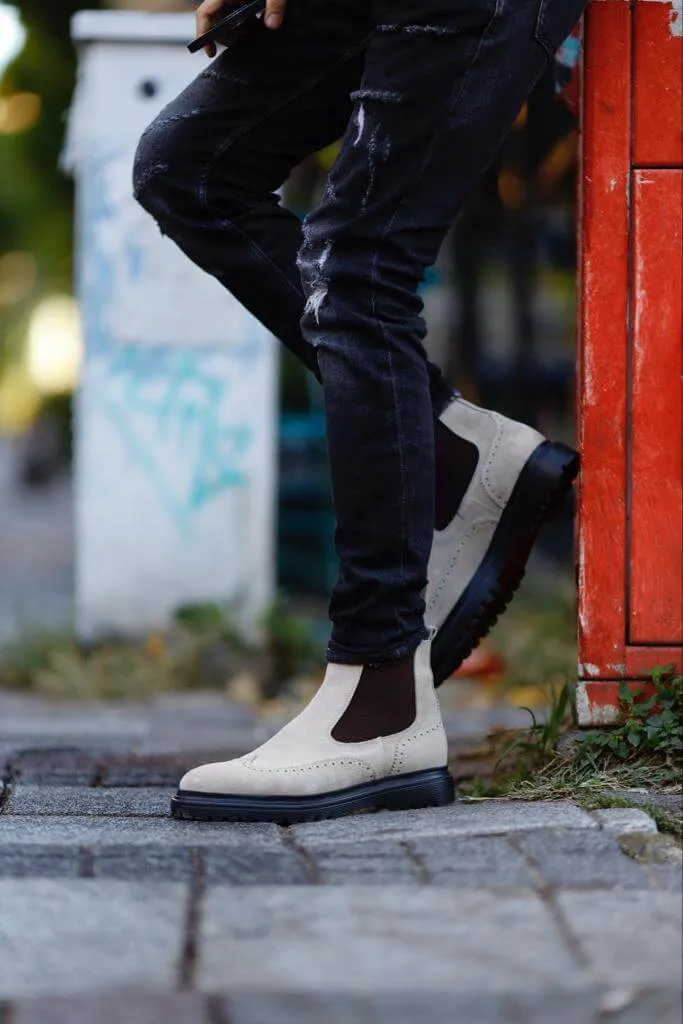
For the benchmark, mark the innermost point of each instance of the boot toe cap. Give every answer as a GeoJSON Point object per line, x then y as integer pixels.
{"type": "Point", "coordinates": [218, 777]}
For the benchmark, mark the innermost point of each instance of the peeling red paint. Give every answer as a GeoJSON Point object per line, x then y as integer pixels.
{"type": "Point", "coordinates": [630, 532]}
{"type": "Point", "coordinates": [657, 92]}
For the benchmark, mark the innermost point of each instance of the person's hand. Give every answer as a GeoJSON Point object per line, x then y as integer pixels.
{"type": "Point", "coordinates": [275, 13]}
{"type": "Point", "coordinates": [211, 11]}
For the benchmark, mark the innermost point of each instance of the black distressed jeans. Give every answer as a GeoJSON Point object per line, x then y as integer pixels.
{"type": "Point", "coordinates": [423, 92]}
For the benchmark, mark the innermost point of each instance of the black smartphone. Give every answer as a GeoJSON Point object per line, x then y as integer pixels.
{"type": "Point", "coordinates": [236, 17]}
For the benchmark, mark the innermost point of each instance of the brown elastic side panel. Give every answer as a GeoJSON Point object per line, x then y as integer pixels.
{"type": "Point", "coordinates": [383, 704]}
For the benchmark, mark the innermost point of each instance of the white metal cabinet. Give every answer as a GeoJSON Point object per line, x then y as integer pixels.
{"type": "Point", "coordinates": [175, 416]}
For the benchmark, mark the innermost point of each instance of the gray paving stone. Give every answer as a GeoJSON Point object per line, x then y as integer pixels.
{"type": "Point", "coordinates": [195, 712]}
{"type": "Point", "coordinates": [123, 1008]}
{"type": "Point", "coordinates": [18, 704]}
{"type": "Point", "coordinates": [91, 746]}
{"type": "Point", "coordinates": [671, 802]}
{"type": "Point", "coordinates": [148, 862]}
{"type": "Point", "coordinates": [380, 862]}
{"type": "Point", "coordinates": [546, 1007]}
{"type": "Point", "coordinates": [473, 861]}
{"type": "Point", "coordinates": [351, 939]}
{"type": "Point", "coordinates": [620, 820]}
{"type": "Point", "coordinates": [97, 832]}
{"type": "Point", "coordinates": [148, 770]}
{"type": "Point", "coordinates": [68, 937]}
{"type": "Point", "coordinates": [79, 800]}
{"type": "Point", "coordinates": [666, 876]}
{"type": "Point", "coordinates": [190, 725]}
{"type": "Point", "coordinates": [627, 1006]}
{"type": "Point", "coordinates": [296, 1008]}
{"type": "Point", "coordinates": [581, 858]}
{"type": "Point", "coordinates": [633, 941]}
{"type": "Point", "coordinates": [70, 728]}
{"type": "Point", "coordinates": [45, 861]}
{"type": "Point", "coordinates": [162, 768]}
{"type": "Point", "coordinates": [460, 819]}
{"type": "Point", "coordinates": [200, 745]}
{"type": "Point", "coordinates": [407, 1008]}
{"type": "Point", "coordinates": [54, 767]}
{"type": "Point", "coordinates": [244, 864]}
{"type": "Point", "coordinates": [250, 865]}
{"type": "Point", "coordinates": [147, 849]}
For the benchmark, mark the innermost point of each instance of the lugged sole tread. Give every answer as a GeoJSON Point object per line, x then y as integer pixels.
{"type": "Point", "coordinates": [449, 652]}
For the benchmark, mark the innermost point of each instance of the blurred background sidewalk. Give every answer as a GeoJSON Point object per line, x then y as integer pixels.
{"type": "Point", "coordinates": [36, 549]}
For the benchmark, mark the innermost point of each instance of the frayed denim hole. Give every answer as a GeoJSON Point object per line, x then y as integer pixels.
{"type": "Point", "coordinates": [213, 74]}
{"type": "Point", "coordinates": [380, 95]}
{"type": "Point", "coordinates": [419, 30]}
{"type": "Point", "coordinates": [314, 274]}
{"type": "Point", "coordinates": [369, 134]}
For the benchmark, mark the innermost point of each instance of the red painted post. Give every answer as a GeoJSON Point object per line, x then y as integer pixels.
{"type": "Point", "coordinates": [630, 527]}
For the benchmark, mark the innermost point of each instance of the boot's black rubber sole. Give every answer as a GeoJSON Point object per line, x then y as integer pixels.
{"type": "Point", "coordinates": [432, 788]}
{"type": "Point", "coordinates": [538, 493]}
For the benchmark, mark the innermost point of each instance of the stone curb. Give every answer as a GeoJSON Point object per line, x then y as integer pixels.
{"type": "Point", "coordinates": [622, 820]}
{"type": "Point", "coordinates": [621, 1006]}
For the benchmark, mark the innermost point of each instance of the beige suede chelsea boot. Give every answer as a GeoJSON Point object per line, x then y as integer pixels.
{"type": "Point", "coordinates": [497, 481]}
{"type": "Point", "coordinates": [336, 757]}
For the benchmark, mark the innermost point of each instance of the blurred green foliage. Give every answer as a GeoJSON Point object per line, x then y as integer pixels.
{"type": "Point", "coordinates": [36, 198]}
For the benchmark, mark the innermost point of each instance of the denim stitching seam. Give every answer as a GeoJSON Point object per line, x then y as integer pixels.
{"type": "Point", "coordinates": [399, 443]}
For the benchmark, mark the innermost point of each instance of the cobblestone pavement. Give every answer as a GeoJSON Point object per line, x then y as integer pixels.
{"type": "Point", "coordinates": [481, 912]}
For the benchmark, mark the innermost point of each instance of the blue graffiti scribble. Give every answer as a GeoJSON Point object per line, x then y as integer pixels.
{"type": "Point", "coordinates": [156, 396]}
{"type": "Point", "coordinates": [168, 405]}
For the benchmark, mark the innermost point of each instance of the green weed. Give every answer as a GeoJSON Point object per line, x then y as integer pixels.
{"type": "Point", "coordinates": [533, 748]}
{"type": "Point", "coordinates": [651, 724]}
{"type": "Point", "coordinates": [666, 822]}
{"type": "Point", "coordinates": [643, 751]}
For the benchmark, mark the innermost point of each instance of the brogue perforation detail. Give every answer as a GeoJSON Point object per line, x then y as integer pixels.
{"type": "Point", "coordinates": [452, 565]}
{"type": "Point", "coordinates": [487, 470]}
{"type": "Point", "coordinates": [398, 758]}
{"type": "Point", "coordinates": [335, 763]}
